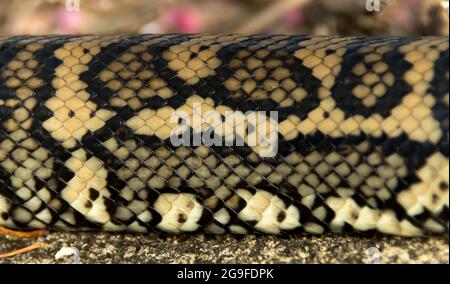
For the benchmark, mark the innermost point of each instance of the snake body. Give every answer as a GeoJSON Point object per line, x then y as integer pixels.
{"type": "Point", "coordinates": [362, 140]}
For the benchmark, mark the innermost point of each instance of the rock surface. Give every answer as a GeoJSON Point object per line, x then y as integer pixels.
{"type": "Point", "coordinates": [97, 247]}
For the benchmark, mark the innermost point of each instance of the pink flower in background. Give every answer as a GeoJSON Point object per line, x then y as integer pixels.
{"type": "Point", "coordinates": [293, 18]}
{"type": "Point", "coordinates": [400, 15]}
{"type": "Point", "coordinates": [183, 19]}
{"type": "Point", "coordinates": [68, 22]}
{"type": "Point", "coordinates": [414, 2]}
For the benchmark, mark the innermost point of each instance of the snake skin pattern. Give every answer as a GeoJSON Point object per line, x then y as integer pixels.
{"type": "Point", "coordinates": [363, 140]}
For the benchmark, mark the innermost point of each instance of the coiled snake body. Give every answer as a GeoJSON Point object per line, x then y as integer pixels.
{"type": "Point", "coordinates": [362, 139]}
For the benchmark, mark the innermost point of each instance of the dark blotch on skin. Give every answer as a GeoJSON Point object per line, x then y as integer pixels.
{"type": "Point", "coordinates": [281, 216]}
{"type": "Point", "coordinates": [434, 198]}
{"type": "Point", "coordinates": [193, 55]}
{"type": "Point", "coordinates": [93, 194]}
{"type": "Point", "coordinates": [182, 218]}
{"type": "Point", "coordinates": [4, 216]}
{"type": "Point", "coordinates": [88, 204]}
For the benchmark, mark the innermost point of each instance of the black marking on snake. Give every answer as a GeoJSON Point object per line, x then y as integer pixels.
{"type": "Point", "coordinates": [8, 51]}
{"type": "Point", "coordinates": [39, 133]}
{"type": "Point", "coordinates": [213, 87]}
{"type": "Point", "coordinates": [342, 91]}
{"type": "Point", "coordinates": [301, 75]}
{"type": "Point", "coordinates": [5, 58]}
{"type": "Point", "coordinates": [100, 95]}
{"type": "Point", "coordinates": [160, 67]}
{"type": "Point", "coordinates": [439, 88]}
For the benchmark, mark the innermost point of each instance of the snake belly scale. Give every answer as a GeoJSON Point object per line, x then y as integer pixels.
{"type": "Point", "coordinates": [363, 140]}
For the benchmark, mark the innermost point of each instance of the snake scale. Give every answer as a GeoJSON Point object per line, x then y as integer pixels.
{"type": "Point", "coordinates": [362, 134]}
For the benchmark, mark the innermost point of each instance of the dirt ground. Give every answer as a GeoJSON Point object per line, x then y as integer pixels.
{"type": "Point", "coordinates": [97, 247]}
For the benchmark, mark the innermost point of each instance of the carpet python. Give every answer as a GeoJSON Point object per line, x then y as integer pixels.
{"type": "Point", "coordinates": [362, 137]}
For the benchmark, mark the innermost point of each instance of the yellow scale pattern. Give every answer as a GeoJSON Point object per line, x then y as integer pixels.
{"type": "Point", "coordinates": [78, 153]}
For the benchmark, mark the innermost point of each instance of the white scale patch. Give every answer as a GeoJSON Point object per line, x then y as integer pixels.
{"type": "Point", "coordinates": [89, 173]}
{"type": "Point", "coordinates": [366, 218]}
{"type": "Point", "coordinates": [180, 212]}
{"type": "Point", "coordinates": [432, 193]}
{"type": "Point", "coordinates": [265, 208]}
{"type": "Point", "coordinates": [4, 208]}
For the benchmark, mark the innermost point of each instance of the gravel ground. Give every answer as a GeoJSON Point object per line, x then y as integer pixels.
{"type": "Point", "coordinates": [97, 247]}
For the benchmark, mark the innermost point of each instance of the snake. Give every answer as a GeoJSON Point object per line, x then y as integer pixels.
{"type": "Point", "coordinates": [161, 133]}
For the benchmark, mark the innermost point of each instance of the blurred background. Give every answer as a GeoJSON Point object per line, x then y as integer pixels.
{"type": "Point", "coordinates": [324, 17]}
